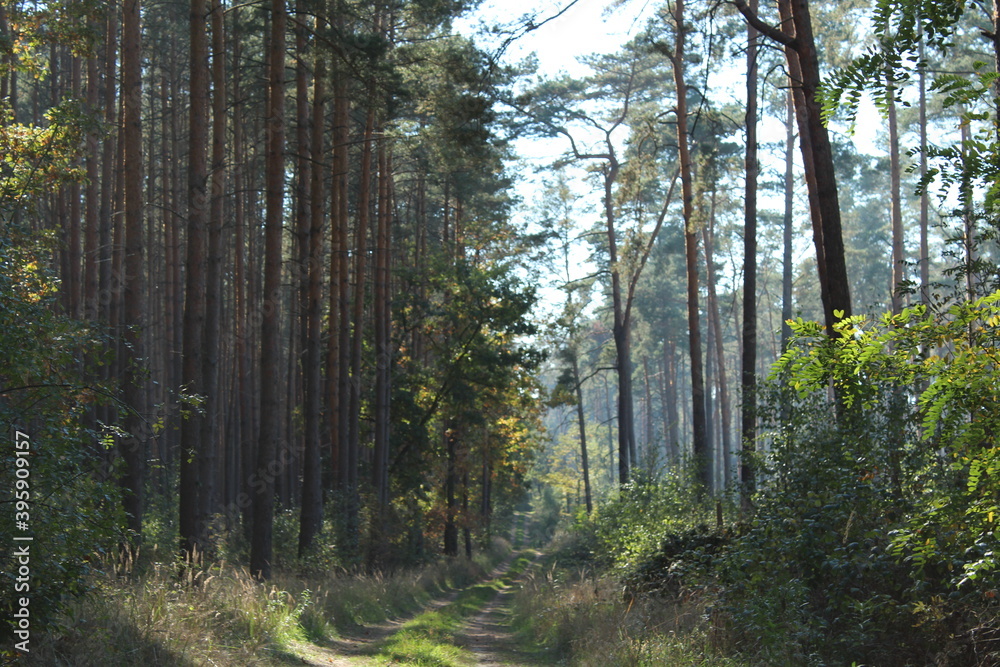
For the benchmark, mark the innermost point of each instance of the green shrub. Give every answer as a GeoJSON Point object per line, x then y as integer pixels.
{"type": "Point", "coordinates": [48, 461]}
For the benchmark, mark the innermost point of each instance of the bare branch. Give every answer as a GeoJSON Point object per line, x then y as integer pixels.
{"type": "Point", "coordinates": [765, 28]}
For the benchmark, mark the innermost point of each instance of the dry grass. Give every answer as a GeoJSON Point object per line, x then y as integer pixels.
{"type": "Point", "coordinates": [219, 615]}
{"type": "Point", "coordinates": [586, 622]}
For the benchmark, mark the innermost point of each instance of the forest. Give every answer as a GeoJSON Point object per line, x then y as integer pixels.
{"type": "Point", "coordinates": [332, 332]}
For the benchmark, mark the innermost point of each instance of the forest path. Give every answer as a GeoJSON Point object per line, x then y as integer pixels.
{"type": "Point", "coordinates": [484, 639]}
{"type": "Point", "coordinates": [488, 635]}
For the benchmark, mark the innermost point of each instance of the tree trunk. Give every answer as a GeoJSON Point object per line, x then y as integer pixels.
{"type": "Point", "coordinates": [337, 379]}
{"type": "Point", "coordinates": [207, 466]}
{"type": "Point", "coordinates": [817, 155]}
{"type": "Point", "coordinates": [133, 445]}
{"type": "Point", "coordinates": [748, 363]}
{"type": "Point", "coordinates": [925, 259]}
{"type": "Point", "coordinates": [352, 508]}
{"type": "Point", "coordinates": [702, 460]}
{"type": "Point", "coordinates": [621, 334]}
{"type": "Point", "coordinates": [895, 205]}
{"type": "Point", "coordinates": [451, 480]}
{"type": "Point", "coordinates": [312, 478]}
{"type": "Point", "coordinates": [582, 425]}
{"type": "Point", "coordinates": [788, 224]}
{"type": "Point", "coordinates": [191, 532]}
{"type": "Point", "coordinates": [383, 350]}
{"type": "Point", "coordinates": [270, 372]}
{"type": "Point", "coordinates": [708, 233]}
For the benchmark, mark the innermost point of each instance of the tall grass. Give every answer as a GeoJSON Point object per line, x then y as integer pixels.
{"type": "Point", "coordinates": [219, 615]}
{"type": "Point", "coordinates": [585, 621]}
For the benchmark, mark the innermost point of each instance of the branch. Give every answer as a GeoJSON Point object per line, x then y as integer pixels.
{"type": "Point", "coordinates": [765, 28]}
{"type": "Point", "coordinates": [630, 296]}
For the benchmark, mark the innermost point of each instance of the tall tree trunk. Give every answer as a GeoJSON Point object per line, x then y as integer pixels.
{"type": "Point", "coordinates": [670, 402]}
{"type": "Point", "coordinates": [702, 459]}
{"type": "Point", "coordinates": [924, 197]}
{"type": "Point", "coordinates": [748, 363]}
{"type": "Point", "coordinates": [132, 446]}
{"type": "Point", "coordinates": [337, 363]}
{"type": "Point", "coordinates": [895, 204]}
{"type": "Point", "coordinates": [450, 482]}
{"type": "Point", "coordinates": [621, 334]}
{"type": "Point", "coordinates": [243, 439]}
{"type": "Point", "coordinates": [91, 281]}
{"type": "Point", "coordinates": [788, 226]}
{"type": "Point", "coordinates": [72, 280]}
{"type": "Point", "coordinates": [312, 488]}
{"type": "Point", "coordinates": [270, 372]}
{"type": "Point", "coordinates": [708, 235]}
{"type": "Point", "coordinates": [650, 452]}
{"type": "Point", "coordinates": [803, 66]}
{"type": "Point", "coordinates": [353, 500]}
{"type": "Point", "coordinates": [191, 532]}
{"type": "Point", "coordinates": [208, 457]}
{"type": "Point", "coordinates": [383, 349]}
{"type": "Point", "coordinates": [582, 425]}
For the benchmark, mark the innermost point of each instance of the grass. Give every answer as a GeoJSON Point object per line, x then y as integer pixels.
{"type": "Point", "coordinates": [584, 621]}
{"type": "Point", "coordinates": [429, 638]}
{"type": "Point", "coordinates": [219, 615]}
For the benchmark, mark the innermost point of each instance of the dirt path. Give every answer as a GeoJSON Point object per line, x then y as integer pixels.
{"type": "Point", "coordinates": [487, 636]}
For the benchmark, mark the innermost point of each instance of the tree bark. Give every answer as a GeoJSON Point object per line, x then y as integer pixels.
{"type": "Point", "coordinates": [450, 482]}
{"type": "Point", "coordinates": [191, 532]}
{"type": "Point", "coordinates": [312, 487]}
{"type": "Point", "coordinates": [719, 351]}
{"type": "Point", "coordinates": [895, 205]}
{"type": "Point", "coordinates": [268, 466]}
{"type": "Point", "coordinates": [748, 363]}
{"type": "Point", "coordinates": [582, 425]}
{"type": "Point", "coordinates": [132, 446]}
{"type": "Point", "coordinates": [702, 460]}
{"type": "Point", "coordinates": [383, 349]}
{"type": "Point", "coordinates": [208, 457]}
{"type": "Point", "coordinates": [817, 154]}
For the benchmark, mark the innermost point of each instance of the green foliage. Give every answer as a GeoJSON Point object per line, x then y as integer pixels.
{"type": "Point", "coordinates": [72, 512]}
{"type": "Point", "coordinates": [60, 481]}
{"type": "Point", "coordinates": [629, 529]}
{"type": "Point", "coordinates": [878, 511]}
{"type": "Point", "coordinates": [899, 26]}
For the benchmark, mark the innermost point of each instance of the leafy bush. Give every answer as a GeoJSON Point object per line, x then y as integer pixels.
{"type": "Point", "coordinates": [630, 527]}
{"type": "Point", "coordinates": [69, 511]}
{"type": "Point", "coordinates": [874, 535]}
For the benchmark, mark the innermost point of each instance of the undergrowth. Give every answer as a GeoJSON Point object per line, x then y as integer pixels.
{"type": "Point", "coordinates": [219, 615]}
{"type": "Point", "coordinates": [582, 619]}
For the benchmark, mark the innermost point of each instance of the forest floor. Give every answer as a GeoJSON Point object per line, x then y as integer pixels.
{"type": "Point", "coordinates": [482, 635]}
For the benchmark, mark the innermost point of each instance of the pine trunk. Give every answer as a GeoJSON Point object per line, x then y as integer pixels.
{"type": "Point", "coordinates": [268, 467]}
